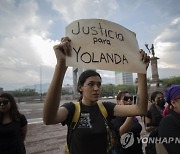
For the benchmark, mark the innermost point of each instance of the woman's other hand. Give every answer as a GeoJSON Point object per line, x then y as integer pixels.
{"type": "Point", "coordinates": [145, 58]}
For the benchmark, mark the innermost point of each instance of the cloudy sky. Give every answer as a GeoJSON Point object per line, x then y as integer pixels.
{"type": "Point", "coordinates": [30, 28]}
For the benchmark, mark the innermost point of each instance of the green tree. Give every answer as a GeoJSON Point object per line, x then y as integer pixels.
{"type": "Point", "coordinates": [25, 92]}
{"type": "Point", "coordinates": [66, 92]}
{"type": "Point", "coordinates": [169, 81]}
{"type": "Point", "coordinates": [132, 89]}
{"type": "Point", "coordinates": [112, 90]}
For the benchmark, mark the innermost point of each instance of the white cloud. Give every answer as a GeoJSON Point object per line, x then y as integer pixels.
{"type": "Point", "coordinates": [167, 46]}
{"type": "Point", "coordinates": [24, 45]}
{"type": "Point", "coordinates": [26, 26]}
{"type": "Point", "coordinates": [17, 18]}
{"type": "Point", "coordinates": [44, 47]}
{"type": "Point", "coordinates": [79, 9]}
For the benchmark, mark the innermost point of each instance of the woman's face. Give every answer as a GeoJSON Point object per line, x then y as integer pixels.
{"type": "Point", "coordinates": [91, 89]}
{"type": "Point", "coordinates": [160, 101]}
{"type": "Point", "coordinates": [158, 97]}
{"type": "Point", "coordinates": [176, 104]}
{"type": "Point", "coordinates": [125, 100]}
{"type": "Point", "coordinates": [4, 104]}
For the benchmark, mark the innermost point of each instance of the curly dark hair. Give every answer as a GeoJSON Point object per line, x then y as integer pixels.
{"type": "Point", "coordinates": [14, 112]}
{"type": "Point", "coordinates": [154, 94]}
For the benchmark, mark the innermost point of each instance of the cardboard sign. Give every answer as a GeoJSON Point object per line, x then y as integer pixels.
{"type": "Point", "coordinates": [101, 44]}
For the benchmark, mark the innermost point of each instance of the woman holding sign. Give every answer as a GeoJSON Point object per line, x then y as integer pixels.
{"type": "Point", "coordinates": [89, 133]}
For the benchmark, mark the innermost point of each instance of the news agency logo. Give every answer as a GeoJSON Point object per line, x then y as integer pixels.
{"type": "Point", "coordinates": [127, 140]}
{"type": "Point", "coordinates": [161, 140]}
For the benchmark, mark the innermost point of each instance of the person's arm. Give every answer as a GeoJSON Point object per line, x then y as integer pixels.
{"type": "Point", "coordinates": [140, 108]}
{"type": "Point", "coordinates": [126, 126]}
{"type": "Point", "coordinates": [148, 127]}
{"type": "Point", "coordinates": [52, 114]}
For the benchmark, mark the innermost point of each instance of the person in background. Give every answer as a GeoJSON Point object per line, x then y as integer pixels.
{"type": "Point", "coordinates": [169, 127]}
{"type": "Point", "coordinates": [130, 125]}
{"type": "Point", "coordinates": [153, 118]}
{"type": "Point", "coordinates": [90, 136]}
{"type": "Point", "coordinates": [13, 126]}
{"type": "Point", "coordinates": [154, 113]}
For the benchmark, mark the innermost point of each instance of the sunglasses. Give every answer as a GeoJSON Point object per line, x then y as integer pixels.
{"type": "Point", "coordinates": [4, 102]}
{"type": "Point", "coordinates": [126, 98]}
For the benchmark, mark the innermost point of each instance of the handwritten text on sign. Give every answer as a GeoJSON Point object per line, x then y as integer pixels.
{"type": "Point", "coordinates": [100, 44]}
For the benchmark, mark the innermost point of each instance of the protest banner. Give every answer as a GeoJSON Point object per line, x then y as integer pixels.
{"type": "Point", "coordinates": [101, 44]}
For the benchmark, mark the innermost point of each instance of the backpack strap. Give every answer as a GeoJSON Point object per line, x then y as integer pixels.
{"type": "Point", "coordinates": [76, 115]}
{"type": "Point", "coordinates": [77, 112]}
{"type": "Point", "coordinates": [109, 131]}
{"type": "Point", "coordinates": [102, 109]}
{"type": "Point", "coordinates": [73, 123]}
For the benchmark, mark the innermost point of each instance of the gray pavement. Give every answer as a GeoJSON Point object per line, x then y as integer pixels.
{"type": "Point", "coordinates": [43, 139]}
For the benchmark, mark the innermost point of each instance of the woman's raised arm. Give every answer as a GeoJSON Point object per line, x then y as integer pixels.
{"type": "Point", "coordinates": [52, 114]}
{"type": "Point", "coordinates": [140, 108]}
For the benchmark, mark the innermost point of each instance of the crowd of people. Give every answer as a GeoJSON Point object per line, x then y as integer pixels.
{"type": "Point", "coordinates": [94, 126]}
{"type": "Point", "coordinates": [98, 130]}
{"type": "Point", "coordinates": [91, 133]}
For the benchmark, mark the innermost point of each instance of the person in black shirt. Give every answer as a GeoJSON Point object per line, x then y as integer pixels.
{"type": "Point", "coordinates": [13, 126]}
{"type": "Point", "coordinates": [154, 113]}
{"type": "Point", "coordinates": [153, 118]}
{"type": "Point", "coordinates": [90, 133]}
{"type": "Point", "coordinates": [169, 127]}
{"type": "Point", "coordinates": [130, 125]}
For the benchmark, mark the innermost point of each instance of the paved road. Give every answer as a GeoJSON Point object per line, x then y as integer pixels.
{"type": "Point", "coordinates": [42, 139]}
{"type": "Point", "coordinates": [33, 110]}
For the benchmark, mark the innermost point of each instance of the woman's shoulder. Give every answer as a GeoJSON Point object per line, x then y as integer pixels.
{"type": "Point", "coordinates": [169, 126]}
{"type": "Point", "coordinates": [172, 117]}
{"type": "Point", "coordinates": [109, 105]}
{"type": "Point", "coordinates": [168, 122]}
{"type": "Point", "coordinates": [22, 115]}
{"type": "Point", "coordinates": [152, 108]}
{"type": "Point", "coordinates": [105, 103]}
{"type": "Point", "coordinates": [68, 105]}
{"type": "Point", "coordinates": [110, 108]}
{"type": "Point", "coordinates": [23, 119]}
